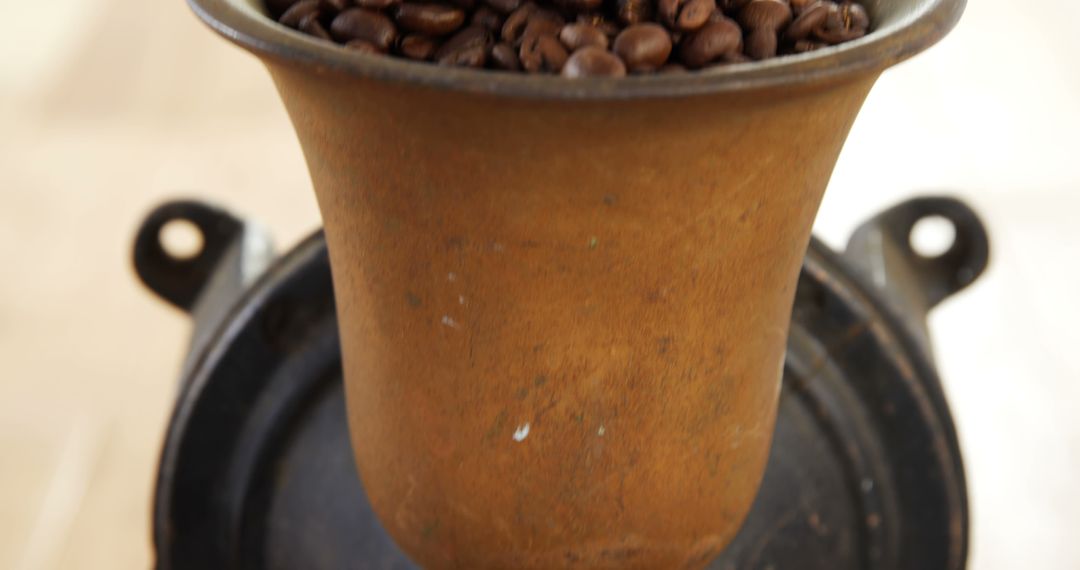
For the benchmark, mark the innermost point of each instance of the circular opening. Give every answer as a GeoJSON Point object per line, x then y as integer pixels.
{"type": "Point", "coordinates": [181, 239]}
{"type": "Point", "coordinates": [900, 28]}
{"type": "Point", "coordinates": [932, 236]}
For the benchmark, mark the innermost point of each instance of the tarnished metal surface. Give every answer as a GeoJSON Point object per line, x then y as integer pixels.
{"type": "Point", "coordinates": [864, 472]}
{"type": "Point", "coordinates": [597, 274]}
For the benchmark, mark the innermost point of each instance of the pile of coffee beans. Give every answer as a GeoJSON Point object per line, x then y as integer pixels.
{"type": "Point", "coordinates": [578, 38]}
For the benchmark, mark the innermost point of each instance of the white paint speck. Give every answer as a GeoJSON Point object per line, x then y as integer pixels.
{"type": "Point", "coordinates": [461, 299]}
{"type": "Point", "coordinates": [446, 320]}
{"type": "Point", "coordinates": [451, 276]}
{"type": "Point", "coordinates": [600, 432]}
{"type": "Point", "coordinates": [521, 433]}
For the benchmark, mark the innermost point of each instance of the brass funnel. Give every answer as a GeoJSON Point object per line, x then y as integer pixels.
{"type": "Point", "coordinates": [564, 304]}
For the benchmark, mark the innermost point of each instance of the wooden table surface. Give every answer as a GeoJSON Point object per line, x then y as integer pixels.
{"type": "Point", "coordinates": [109, 107]}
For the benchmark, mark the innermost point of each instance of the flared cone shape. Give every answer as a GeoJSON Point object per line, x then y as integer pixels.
{"type": "Point", "coordinates": [564, 305]}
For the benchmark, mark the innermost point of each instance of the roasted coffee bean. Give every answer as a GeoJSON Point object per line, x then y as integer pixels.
{"type": "Point", "coordinates": [685, 15]}
{"type": "Point", "coordinates": [593, 61]}
{"type": "Point", "coordinates": [467, 48]}
{"type": "Point", "coordinates": [578, 35]}
{"type": "Point", "coordinates": [803, 46]}
{"type": "Point", "coordinates": [543, 23]}
{"type": "Point", "coordinates": [504, 7]}
{"type": "Point", "coordinates": [418, 47]}
{"type": "Point", "coordinates": [534, 35]}
{"type": "Point", "coordinates": [797, 6]}
{"type": "Point", "coordinates": [597, 20]}
{"type": "Point", "coordinates": [761, 44]}
{"type": "Point", "coordinates": [504, 56]}
{"type": "Point", "coordinates": [630, 12]}
{"type": "Point", "coordinates": [732, 6]}
{"type": "Point", "coordinates": [855, 16]}
{"type": "Point", "coordinates": [765, 15]}
{"type": "Point", "coordinates": [310, 25]}
{"type": "Point", "coordinates": [643, 47]}
{"type": "Point", "coordinates": [514, 26]}
{"type": "Point", "coordinates": [711, 42]}
{"type": "Point", "coordinates": [475, 56]}
{"type": "Point", "coordinates": [542, 53]}
{"type": "Point", "coordinates": [735, 57]}
{"type": "Point", "coordinates": [577, 6]}
{"type": "Point", "coordinates": [694, 14]}
{"type": "Point", "coordinates": [841, 24]}
{"type": "Point", "coordinates": [377, 4]}
{"type": "Point", "coordinates": [809, 19]}
{"type": "Point", "coordinates": [486, 17]}
{"type": "Point", "coordinates": [464, 4]}
{"type": "Point", "coordinates": [672, 68]}
{"type": "Point", "coordinates": [363, 46]}
{"type": "Point", "coordinates": [334, 6]}
{"type": "Point", "coordinates": [298, 12]}
{"type": "Point", "coordinates": [278, 7]}
{"type": "Point", "coordinates": [429, 19]}
{"type": "Point", "coordinates": [364, 24]}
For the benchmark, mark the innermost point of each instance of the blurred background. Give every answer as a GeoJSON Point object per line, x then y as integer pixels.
{"type": "Point", "coordinates": [108, 107]}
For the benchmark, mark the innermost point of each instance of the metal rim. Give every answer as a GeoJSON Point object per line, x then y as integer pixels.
{"type": "Point", "coordinates": [908, 27]}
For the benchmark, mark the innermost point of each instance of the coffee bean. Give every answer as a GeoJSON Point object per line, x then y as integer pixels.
{"type": "Point", "coordinates": [418, 47]}
{"type": "Point", "coordinates": [732, 6]}
{"type": "Point", "coordinates": [464, 4]}
{"type": "Point", "coordinates": [840, 25]}
{"type": "Point", "coordinates": [592, 61]}
{"type": "Point", "coordinates": [578, 35]}
{"type": "Point", "coordinates": [735, 57]}
{"type": "Point", "coordinates": [466, 48]}
{"type": "Point", "coordinates": [630, 12]}
{"type": "Point", "coordinates": [685, 15]}
{"type": "Point", "coordinates": [643, 47]}
{"type": "Point", "coordinates": [809, 19]}
{"type": "Point", "coordinates": [542, 53]}
{"type": "Point", "coordinates": [765, 15]}
{"type": "Point", "coordinates": [363, 46]}
{"type": "Point", "coordinates": [429, 19]}
{"type": "Point", "coordinates": [292, 16]}
{"type": "Point", "coordinates": [694, 14]}
{"type": "Point", "coordinates": [278, 7]}
{"type": "Point", "coordinates": [310, 25]}
{"type": "Point", "coordinates": [504, 56]}
{"type": "Point", "coordinates": [803, 46]}
{"type": "Point", "coordinates": [543, 23]}
{"type": "Point", "coordinates": [761, 44]}
{"type": "Point", "coordinates": [713, 40]}
{"type": "Point", "coordinates": [534, 35]}
{"type": "Point", "coordinates": [376, 4]}
{"type": "Point", "coordinates": [364, 24]}
{"type": "Point", "coordinates": [577, 6]}
{"type": "Point", "coordinates": [797, 6]}
{"type": "Point", "coordinates": [855, 16]}
{"type": "Point", "coordinates": [514, 27]}
{"type": "Point", "coordinates": [504, 7]}
{"type": "Point", "coordinates": [486, 17]}
{"type": "Point", "coordinates": [334, 6]}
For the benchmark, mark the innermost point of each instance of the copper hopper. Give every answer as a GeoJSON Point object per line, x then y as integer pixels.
{"type": "Point", "coordinates": [564, 304]}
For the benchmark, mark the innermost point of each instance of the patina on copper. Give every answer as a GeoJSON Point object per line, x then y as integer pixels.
{"type": "Point", "coordinates": [564, 304]}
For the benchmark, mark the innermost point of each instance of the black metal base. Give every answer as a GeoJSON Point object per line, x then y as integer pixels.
{"type": "Point", "coordinates": [257, 471]}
